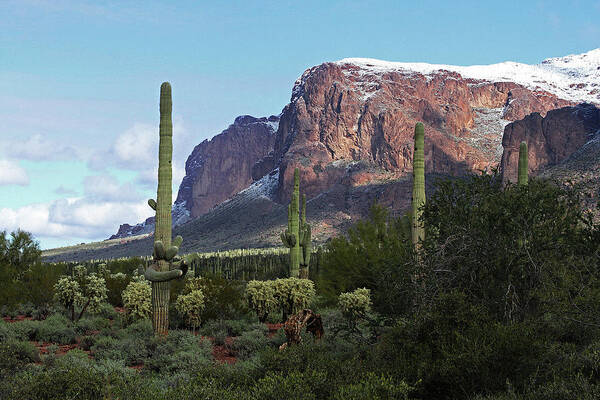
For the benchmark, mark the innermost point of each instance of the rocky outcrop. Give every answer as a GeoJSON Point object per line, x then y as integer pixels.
{"type": "Point", "coordinates": [551, 139]}
{"type": "Point", "coordinates": [220, 167]}
{"type": "Point", "coordinates": [341, 113]}
{"type": "Point", "coordinates": [349, 129]}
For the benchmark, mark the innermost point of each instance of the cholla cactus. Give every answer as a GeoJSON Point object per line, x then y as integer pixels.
{"type": "Point", "coordinates": [190, 306]}
{"type": "Point", "coordinates": [67, 292]}
{"type": "Point", "coordinates": [293, 294]}
{"type": "Point", "coordinates": [136, 299]}
{"type": "Point", "coordinates": [86, 292]}
{"type": "Point", "coordinates": [260, 296]}
{"type": "Point", "coordinates": [355, 304]}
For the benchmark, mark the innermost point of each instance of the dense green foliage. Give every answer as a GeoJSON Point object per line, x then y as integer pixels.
{"type": "Point", "coordinates": [501, 302]}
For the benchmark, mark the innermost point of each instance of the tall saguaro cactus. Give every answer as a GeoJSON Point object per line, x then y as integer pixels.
{"type": "Point", "coordinates": [298, 233]}
{"type": "Point", "coordinates": [418, 194]}
{"type": "Point", "coordinates": [165, 265]}
{"type": "Point", "coordinates": [523, 165]}
{"type": "Point", "coordinates": [305, 241]}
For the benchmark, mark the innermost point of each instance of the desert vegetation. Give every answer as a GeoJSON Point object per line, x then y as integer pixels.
{"type": "Point", "coordinates": [487, 290]}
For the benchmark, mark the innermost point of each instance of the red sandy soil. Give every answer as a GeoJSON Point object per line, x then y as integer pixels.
{"type": "Point", "coordinates": [220, 353]}
{"type": "Point", "coordinates": [16, 319]}
{"type": "Point", "coordinates": [273, 328]}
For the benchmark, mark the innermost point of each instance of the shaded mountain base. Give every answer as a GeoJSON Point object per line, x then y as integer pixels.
{"type": "Point", "coordinates": [250, 221]}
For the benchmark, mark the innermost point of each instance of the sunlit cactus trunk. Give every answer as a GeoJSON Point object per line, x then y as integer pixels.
{"type": "Point", "coordinates": [305, 242]}
{"type": "Point", "coordinates": [523, 165]}
{"type": "Point", "coordinates": [291, 237]}
{"type": "Point", "coordinates": [418, 194]}
{"type": "Point", "coordinates": [165, 266]}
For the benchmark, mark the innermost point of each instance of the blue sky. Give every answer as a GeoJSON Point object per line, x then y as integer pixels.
{"type": "Point", "coordinates": [79, 82]}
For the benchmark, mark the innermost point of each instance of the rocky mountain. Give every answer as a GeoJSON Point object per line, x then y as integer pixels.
{"type": "Point", "coordinates": [349, 127]}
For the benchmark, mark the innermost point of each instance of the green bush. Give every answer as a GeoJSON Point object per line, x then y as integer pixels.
{"type": "Point", "coordinates": [15, 354]}
{"type": "Point", "coordinates": [249, 344]}
{"type": "Point", "coordinates": [56, 329]}
{"type": "Point", "coordinates": [374, 387]}
{"type": "Point", "coordinates": [375, 254]}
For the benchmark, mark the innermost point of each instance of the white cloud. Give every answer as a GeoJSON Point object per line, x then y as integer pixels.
{"type": "Point", "coordinates": [137, 147]}
{"type": "Point", "coordinates": [107, 188]}
{"type": "Point", "coordinates": [74, 217]}
{"type": "Point", "coordinates": [39, 148]}
{"type": "Point", "coordinates": [11, 173]}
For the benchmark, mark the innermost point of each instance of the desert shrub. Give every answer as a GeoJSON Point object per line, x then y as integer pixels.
{"type": "Point", "coordinates": [260, 296]}
{"type": "Point", "coordinates": [89, 324]}
{"type": "Point", "coordinates": [294, 386]}
{"type": "Point", "coordinates": [25, 330]}
{"type": "Point", "coordinates": [374, 387]}
{"type": "Point", "coordinates": [6, 333]}
{"type": "Point", "coordinates": [191, 305]}
{"type": "Point", "coordinates": [115, 285]}
{"type": "Point", "coordinates": [232, 327]}
{"type": "Point", "coordinates": [164, 353]}
{"type": "Point", "coordinates": [55, 329]}
{"type": "Point", "coordinates": [141, 329]}
{"type": "Point", "coordinates": [223, 298]}
{"type": "Point", "coordinates": [375, 254]}
{"type": "Point", "coordinates": [137, 299]}
{"type": "Point", "coordinates": [107, 348]}
{"type": "Point", "coordinates": [107, 311]}
{"type": "Point", "coordinates": [15, 354]}
{"type": "Point", "coordinates": [87, 342]}
{"type": "Point", "coordinates": [249, 344]}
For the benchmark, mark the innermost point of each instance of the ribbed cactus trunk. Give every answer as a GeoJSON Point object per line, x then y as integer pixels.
{"type": "Point", "coordinates": [294, 226]}
{"type": "Point", "coordinates": [418, 194]}
{"type": "Point", "coordinates": [160, 290]}
{"type": "Point", "coordinates": [291, 236]}
{"type": "Point", "coordinates": [523, 171]}
{"type": "Point", "coordinates": [305, 242]}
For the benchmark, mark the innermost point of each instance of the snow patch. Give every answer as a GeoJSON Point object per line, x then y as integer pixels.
{"type": "Point", "coordinates": [264, 187]}
{"type": "Point", "coordinates": [575, 77]}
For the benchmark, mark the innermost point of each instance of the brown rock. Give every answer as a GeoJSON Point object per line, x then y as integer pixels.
{"type": "Point", "coordinates": [550, 140]}
{"type": "Point", "coordinates": [220, 167]}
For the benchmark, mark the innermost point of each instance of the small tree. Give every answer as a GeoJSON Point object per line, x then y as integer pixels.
{"type": "Point", "coordinates": [137, 299]}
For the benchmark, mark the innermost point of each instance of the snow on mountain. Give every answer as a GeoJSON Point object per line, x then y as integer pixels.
{"type": "Point", "coordinates": [574, 77]}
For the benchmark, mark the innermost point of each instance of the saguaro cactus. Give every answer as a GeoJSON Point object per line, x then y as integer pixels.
{"type": "Point", "coordinates": [165, 265]}
{"type": "Point", "coordinates": [305, 241]}
{"type": "Point", "coordinates": [418, 194]}
{"type": "Point", "coordinates": [291, 236]}
{"type": "Point", "coordinates": [523, 165]}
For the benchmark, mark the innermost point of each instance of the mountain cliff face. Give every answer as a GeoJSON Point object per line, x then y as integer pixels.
{"type": "Point", "coordinates": [349, 128]}
{"type": "Point", "coordinates": [222, 166]}
{"type": "Point", "coordinates": [551, 139]}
